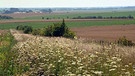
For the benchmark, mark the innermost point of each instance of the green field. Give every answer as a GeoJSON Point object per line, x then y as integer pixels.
{"type": "Point", "coordinates": [69, 24]}
{"type": "Point", "coordinates": [73, 23]}
{"type": "Point", "coordinates": [82, 14]}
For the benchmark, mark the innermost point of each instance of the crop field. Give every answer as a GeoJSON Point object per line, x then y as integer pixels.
{"type": "Point", "coordinates": [11, 24]}
{"type": "Point", "coordinates": [65, 15]}
{"type": "Point", "coordinates": [84, 14]}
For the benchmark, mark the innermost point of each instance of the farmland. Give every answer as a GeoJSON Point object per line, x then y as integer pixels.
{"type": "Point", "coordinates": [106, 33]}
{"type": "Point", "coordinates": [83, 14]}
{"type": "Point", "coordinates": [35, 19]}
{"type": "Point", "coordinates": [69, 15]}
{"type": "Point", "coordinates": [57, 56]}
{"type": "Point", "coordinates": [7, 24]}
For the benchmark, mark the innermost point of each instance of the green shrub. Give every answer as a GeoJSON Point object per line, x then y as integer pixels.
{"type": "Point", "coordinates": [20, 27]}
{"type": "Point", "coordinates": [42, 32]}
{"type": "Point", "coordinates": [59, 30]}
{"type": "Point", "coordinates": [124, 41]}
{"type": "Point", "coordinates": [55, 30]}
{"type": "Point", "coordinates": [26, 29]}
{"type": "Point", "coordinates": [49, 30]}
{"type": "Point", "coordinates": [69, 34]}
{"type": "Point", "coordinates": [35, 32]}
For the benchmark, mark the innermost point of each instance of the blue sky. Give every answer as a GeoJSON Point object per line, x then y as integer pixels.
{"type": "Point", "coordinates": [66, 3]}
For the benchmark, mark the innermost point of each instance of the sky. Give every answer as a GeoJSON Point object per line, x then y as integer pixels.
{"type": "Point", "coordinates": [65, 3]}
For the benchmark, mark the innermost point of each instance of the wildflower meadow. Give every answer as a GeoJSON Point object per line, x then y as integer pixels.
{"type": "Point", "coordinates": [57, 56]}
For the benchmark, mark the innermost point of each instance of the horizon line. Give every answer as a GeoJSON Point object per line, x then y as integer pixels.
{"type": "Point", "coordinates": [74, 7]}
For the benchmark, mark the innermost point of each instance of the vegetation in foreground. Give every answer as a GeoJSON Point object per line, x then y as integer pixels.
{"type": "Point", "coordinates": [6, 56]}
{"type": "Point", "coordinates": [61, 56]}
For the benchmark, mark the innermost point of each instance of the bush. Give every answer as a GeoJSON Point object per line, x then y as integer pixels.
{"type": "Point", "coordinates": [124, 41]}
{"type": "Point", "coordinates": [49, 31]}
{"type": "Point", "coordinates": [69, 34]}
{"type": "Point", "coordinates": [55, 30]}
{"type": "Point", "coordinates": [20, 27]}
{"type": "Point", "coordinates": [25, 29]}
{"type": "Point", "coordinates": [58, 30]}
{"type": "Point", "coordinates": [35, 32]}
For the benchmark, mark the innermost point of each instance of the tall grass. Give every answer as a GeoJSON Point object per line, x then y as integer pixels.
{"type": "Point", "coordinates": [57, 56]}
{"type": "Point", "coordinates": [6, 56]}
{"type": "Point", "coordinates": [60, 56]}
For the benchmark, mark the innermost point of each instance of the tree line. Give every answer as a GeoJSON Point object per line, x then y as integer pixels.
{"type": "Point", "coordinates": [101, 17]}
{"type": "Point", "coordinates": [5, 17]}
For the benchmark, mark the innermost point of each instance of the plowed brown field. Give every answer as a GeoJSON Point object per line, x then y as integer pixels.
{"type": "Point", "coordinates": [109, 33]}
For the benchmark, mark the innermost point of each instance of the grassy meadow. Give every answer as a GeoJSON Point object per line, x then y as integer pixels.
{"type": "Point", "coordinates": [60, 56]}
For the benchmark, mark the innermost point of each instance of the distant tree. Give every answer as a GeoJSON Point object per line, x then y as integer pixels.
{"type": "Point", "coordinates": [11, 10]}
{"type": "Point", "coordinates": [5, 17]}
{"type": "Point", "coordinates": [14, 10]}
{"type": "Point", "coordinates": [49, 10]}
{"type": "Point", "coordinates": [99, 17]}
{"type": "Point", "coordinates": [47, 18]}
{"type": "Point", "coordinates": [43, 18]}
{"type": "Point", "coordinates": [130, 17]}
{"type": "Point", "coordinates": [67, 17]}
{"type": "Point", "coordinates": [46, 10]}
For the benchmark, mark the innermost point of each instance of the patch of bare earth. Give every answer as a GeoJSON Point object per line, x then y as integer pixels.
{"type": "Point", "coordinates": [109, 33]}
{"type": "Point", "coordinates": [3, 31]}
{"type": "Point", "coordinates": [19, 36]}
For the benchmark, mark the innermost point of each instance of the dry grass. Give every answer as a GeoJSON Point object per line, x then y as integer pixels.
{"type": "Point", "coordinates": [61, 56]}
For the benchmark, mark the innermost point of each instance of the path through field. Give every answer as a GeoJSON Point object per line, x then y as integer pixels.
{"type": "Point", "coordinates": [19, 36]}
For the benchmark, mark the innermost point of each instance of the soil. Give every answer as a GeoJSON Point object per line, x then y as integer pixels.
{"type": "Point", "coordinates": [19, 36]}
{"type": "Point", "coordinates": [107, 33]}
{"type": "Point", "coordinates": [3, 32]}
